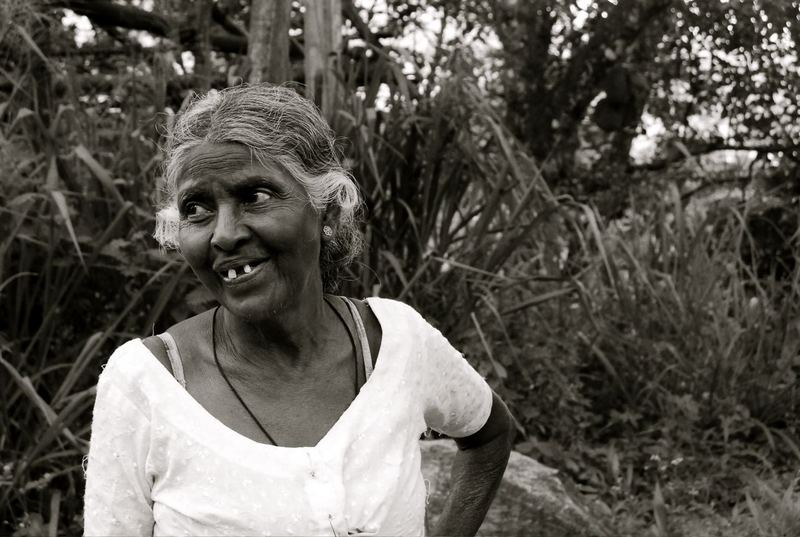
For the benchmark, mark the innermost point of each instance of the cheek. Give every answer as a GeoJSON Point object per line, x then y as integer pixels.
{"type": "Point", "coordinates": [193, 245]}
{"type": "Point", "coordinates": [311, 239]}
{"type": "Point", "coordinates": [292, 231]}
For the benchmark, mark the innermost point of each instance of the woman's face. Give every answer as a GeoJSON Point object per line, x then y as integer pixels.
{"type": "Point", "coordinates": [249, 233]}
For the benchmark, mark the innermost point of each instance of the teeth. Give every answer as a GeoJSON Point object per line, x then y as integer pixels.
{"type": "Point", "coordinates": [248, 269]}
{"type": "Point", "coordinates": [231, 274]}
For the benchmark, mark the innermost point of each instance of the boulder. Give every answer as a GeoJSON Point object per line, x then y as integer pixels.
{"type": "Point", "coordinates": [531, 501]}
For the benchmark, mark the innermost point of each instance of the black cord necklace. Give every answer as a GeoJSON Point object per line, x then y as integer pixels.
{"type": "Point", "coordinates": [230, 385]}
{"type": "Point", "coordinates": [221, 372]}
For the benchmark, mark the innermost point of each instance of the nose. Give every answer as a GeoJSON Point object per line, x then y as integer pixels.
{"type": "Point", "coordinates": [229, 230]}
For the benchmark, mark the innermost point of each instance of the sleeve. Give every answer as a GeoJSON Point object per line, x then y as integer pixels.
{"type": "Point", "coordinates": [458, 400]}
{"type": "Point", "coordinates": [117, 499]}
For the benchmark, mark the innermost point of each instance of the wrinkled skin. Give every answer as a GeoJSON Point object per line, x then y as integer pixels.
{"type": "Point", "coordinates": [234, 210]}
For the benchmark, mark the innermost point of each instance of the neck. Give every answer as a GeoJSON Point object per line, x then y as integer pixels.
{"type": "Point", "coordinates": [288, 340]}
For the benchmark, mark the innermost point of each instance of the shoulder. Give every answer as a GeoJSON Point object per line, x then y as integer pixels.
{"type": "Point", "coordinates": [371, 324]}
{"type": "Point", "coordinates": [129, 373]}
{"type": "Point", "coordinates": [185, 333]}
{"type": "Point", "coordinates": [402, 324]}
{"type": "Point", "coordinates": [138, 360]}
{"type": "Point", "coordinates": [400, 317]}
{"type": "Point", "coordinates": [129, 360]}
{"type": "Point", "coordinates": [157, 348]}
{"type": "Point", "coordinates": [388, 309]}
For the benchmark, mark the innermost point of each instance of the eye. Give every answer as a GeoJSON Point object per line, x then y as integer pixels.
{"type": "Point", "coordinates": [194, 210]}
{"type": "Point", "coordinates": [259, 195]}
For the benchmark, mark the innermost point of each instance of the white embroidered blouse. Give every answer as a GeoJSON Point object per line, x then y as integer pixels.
{"type": "Point", "coordinates": [160, 464]}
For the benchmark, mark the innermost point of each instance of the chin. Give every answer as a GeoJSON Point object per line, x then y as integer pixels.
{"type": "Point", "coordinates": [255, 309]}
{"type": "Point", "coordinates": [260, 299]}
{"type": "Point", "coordinates": [264, 306]}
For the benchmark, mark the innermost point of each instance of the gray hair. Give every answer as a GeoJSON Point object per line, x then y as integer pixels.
{"type": "Point", "coordinates": [278, 126]}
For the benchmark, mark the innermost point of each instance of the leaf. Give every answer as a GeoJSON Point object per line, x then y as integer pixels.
{"type": "Point", "coordinates": [609, 367]}
{"type": "Point", "coordinates": [32, 526]}
{"type": "Point", "coordinates": [116, 248]}
{"type": "Point", "coordinates": [756, 513]}
{"type": "Point", "coordinates": [25, 385]}
{"type": "Point", "coordinates": [660, 512]}
{"type": "Point", "coordinates": [63, 209]}
{"type": "Point", "coordinates": [164, 296]}
{"type": "Point", "coordinates": [31, 43]}
{"type": "Point", "coordinates": [14, 277]}
{"type": "Point", "coordinates": [51, 182]}
{"type": "Point", "coordinates": [102, 174]}
{"type": "Point", "coordinates": [22, 113]}
{"type": "Point", "coordinates": [396, 265]}
{"type": "Point", "coordinates": [499, 369]}
{"type": "Point", "coordinates": [538, 299]}
{"type": "Point", "coordinates": [55, 504]}
{"type": "Point", "coordinates": [77, 368]}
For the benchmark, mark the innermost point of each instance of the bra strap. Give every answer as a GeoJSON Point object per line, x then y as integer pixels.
{"type": "Point", "coordinates": [174, 357]}
{"type": "Point", "coordinates": [337, 303]}
{"type": "Point", "coordinates": [362, 336]}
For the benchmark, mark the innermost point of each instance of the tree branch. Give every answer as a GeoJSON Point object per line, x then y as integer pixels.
{"type": "Point", "coordinates": [108, 14]}
{"type": "Point", "coordinates": [232, 40]}
{"type": "Point", "coordinates": [706, 148]}
{"type": "Point", "coordinates": [350, 12]}
{"type": "Point", "coordinates": [588, 66]}
{"type": "Point", "coordinates": [105, 13]}
{"type": "Point", "coordinates": [133, 18]}
{"type": "Point", "coordinates": [221, 18]}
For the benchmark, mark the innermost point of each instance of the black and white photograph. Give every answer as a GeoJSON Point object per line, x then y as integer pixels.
{"type": "Point", "coordinates": [523, 268]}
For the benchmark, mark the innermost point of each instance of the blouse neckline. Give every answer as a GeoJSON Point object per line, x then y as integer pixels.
{"type": "Point", "coordinates": [213, 421]}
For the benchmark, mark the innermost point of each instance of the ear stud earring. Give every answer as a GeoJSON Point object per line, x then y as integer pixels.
{"type": "Point", "coordinates": [327, 231]}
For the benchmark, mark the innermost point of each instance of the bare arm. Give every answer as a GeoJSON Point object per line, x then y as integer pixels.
{"type": "Point", "coordinates": [477, 471]}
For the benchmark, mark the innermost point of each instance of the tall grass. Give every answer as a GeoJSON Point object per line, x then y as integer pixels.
{"type": "Point", "coordinates": [78, 270]}
{"type": "Point", "coordinates": [774, 513]}
{"type": "Point", "coordinates": [656, 336]}
{"type": "Point", "coordinates": [450, 196]}
{"type": "Point", "coordinates": [673, 358]}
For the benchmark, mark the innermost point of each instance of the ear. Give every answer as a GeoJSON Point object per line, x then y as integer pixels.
{"type": "Point", "coordinates": [330, 218]}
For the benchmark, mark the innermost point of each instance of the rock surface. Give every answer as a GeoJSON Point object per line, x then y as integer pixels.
{"type": "Point", "coordinates": [532, 501]}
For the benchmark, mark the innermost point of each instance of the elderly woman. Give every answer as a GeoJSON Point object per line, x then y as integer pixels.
{"type": "Point", "coordinates": [284, 410]}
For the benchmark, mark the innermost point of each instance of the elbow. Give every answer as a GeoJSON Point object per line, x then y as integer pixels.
{"type": "Point", "coordinates": [498, 431]}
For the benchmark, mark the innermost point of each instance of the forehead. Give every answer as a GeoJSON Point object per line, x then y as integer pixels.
{"type": "Point", "coordinates": [229, 165]}
{"type": "Point", "coordinates": [209, 159]}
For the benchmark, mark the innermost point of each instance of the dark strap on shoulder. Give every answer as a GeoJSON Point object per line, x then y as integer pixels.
{"type": "Point", "coordinates": [174, 357]}
{"type": "Point", "coordinates": [338, 305]}
{"type": "Point", "coordinates": [362, 337]}
{"type": "Point", "coordinates": [349, 316]}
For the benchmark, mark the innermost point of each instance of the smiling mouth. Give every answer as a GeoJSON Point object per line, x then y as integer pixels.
{"type": "Point", "coordinates": [240, 272]}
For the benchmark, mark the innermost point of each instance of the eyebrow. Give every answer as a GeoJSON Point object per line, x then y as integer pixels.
{"type": "Point", "coordinates": [249, 181]}
{"type": "Point", "coordinates": [255, 179]}
{"type": "Point", "coordinates": [192, 191]}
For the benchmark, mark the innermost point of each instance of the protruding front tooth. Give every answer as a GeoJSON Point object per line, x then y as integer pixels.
{"type": "Point", "coordinates": [248, 269]}
{"type": "Point", "coordinates": [231, 274]}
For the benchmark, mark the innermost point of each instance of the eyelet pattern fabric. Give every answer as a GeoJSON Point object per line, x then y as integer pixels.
{"type": "Point", "coordinates": [160, 464]}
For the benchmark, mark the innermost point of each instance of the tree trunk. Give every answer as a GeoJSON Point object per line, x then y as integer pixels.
{"type": "Point", "coordinates": [202, 49]}
{"type": "Point", "coordinates": [268, 46]}
{"type": "Point", "coordinates": [322, 38]}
